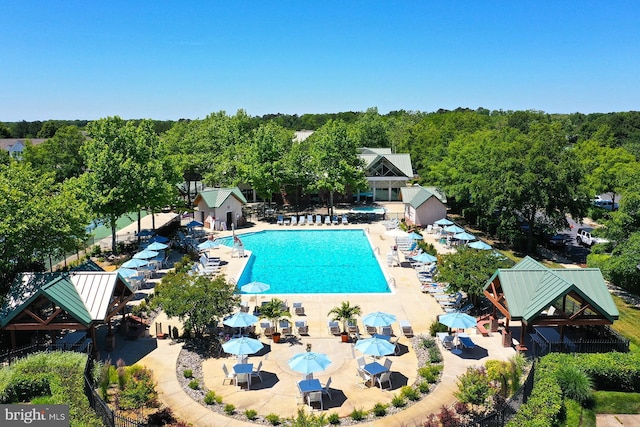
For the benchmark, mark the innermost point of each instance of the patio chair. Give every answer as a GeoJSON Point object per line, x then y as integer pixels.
{"type": "Point", "coordinates": [334, 328]}
{"type": "Point", "coordinates": [243, 379]}
{"type": "Point", "coordinates": [280, 220]}
{"type": "Point", "coordinates": [285, 328]}
{"type": "Point", "coordinates": [268, 331]}
{"type": "Point", "coordinates": [407, 330]}
{"type": "Point", "coordinates": [302, 327]}
{"type": "Point", "coordinates": [315, 397]}
{"type": "Point", "coordinates": [302, 220]}
{"type": "Point", "coordinates": [287, 221]}
{"type": "Point", "coordinates": [318, 219]}
{"type": "Point", "coordinates": [294, 220]}
{"type": "Point", "coordinates": [334, 220]}
{"type": "Point", "coordinates": [363, 378]}
{"type": "Point", "coordinates": [384, 377]}
{"type": "Point", "coordinates": [228, 376]}
{"type": "Point", "coordinates": [244, 307]}
{"type": "Point", "coordinates": [326, 389]}
{"type": "Point", "coordinates": [352, 327]}
{"type": "Point", "coordinates": [327, 220]}
{"type": "Point", "coordinates": [371, 330]}
{"type": "Point", "coordinates": [466, 342]}
{"type": "Point", "coordinates": [387, 363]}
{"type": "Point", "coordinates": [396, 346]}
{"type": "Point", "coordinates": [387, 330]}
{"type": "Point", "coordinates": [345, 221]}
{"type": "Point", "coordinates": [361, 362]}
{"type": "Point", "coordinates": [257, 372]}
{"type": "Point", "coordinates": [309, 219]}
{"type": "Point", "coordinates": [447, 342]}
{"type": "Point", "coordinates": [298, 309]}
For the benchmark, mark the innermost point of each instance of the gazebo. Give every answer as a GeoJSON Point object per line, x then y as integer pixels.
{"type": "Point", "coordinates": [559, 297]}
{"type": "Point", "coordinates": [58, 301]}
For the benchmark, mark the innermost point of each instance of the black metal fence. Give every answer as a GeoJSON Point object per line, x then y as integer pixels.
{"type": "Point", "coordinates": [502, 415]}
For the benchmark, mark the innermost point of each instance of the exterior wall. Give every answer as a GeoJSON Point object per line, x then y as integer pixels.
{"type": "Point", "coordinates": [427, 213]}
{"type": "Point", "coordinates": [231, 208]}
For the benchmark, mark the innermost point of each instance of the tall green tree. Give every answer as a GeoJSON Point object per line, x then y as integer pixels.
{"type": "Point", "coordinates": [197, 300]}
{"type": "Point", "coordinates": [60, 154]}
{"type": "Point", "coordinates": [38, 219]}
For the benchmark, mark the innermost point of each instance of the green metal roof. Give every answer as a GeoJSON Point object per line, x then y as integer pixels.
{"type": "Point", "coordinates": [400, 161]}
{"type": "Point", "coordinates": [416, 196]}
{"type": "Point", "coordinates": [215, 197]}
{"type": "Point", "coordinates": [529, 288]}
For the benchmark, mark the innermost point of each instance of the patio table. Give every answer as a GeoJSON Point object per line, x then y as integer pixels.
{"type": "Point", "coordinates": [243, 368]}
{"type": "Point", "coordinates": [308, 386]}
{"type": "Point", "coordinates": [374, 369]}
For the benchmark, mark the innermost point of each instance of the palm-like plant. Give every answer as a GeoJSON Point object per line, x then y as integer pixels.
{"type": "Point", "coordinates": [273, 311]}
{"type": "Point", "coordinates": [344, 313]}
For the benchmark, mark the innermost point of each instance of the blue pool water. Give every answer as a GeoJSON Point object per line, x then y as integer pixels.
{"type": "Point", "coordinates": [368, 209]}
{"type": "Point", "coordinates": [312, 262]}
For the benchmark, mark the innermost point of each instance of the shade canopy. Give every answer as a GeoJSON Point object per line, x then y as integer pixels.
{"type": "Point", "coordinates": [464, 236]}
{"type": "Point", "coordinates": [255, 288]}
{"type": "Point", "coordinates": [127, 272]}
{"type": "Point", "coordinates": [309, 362]}
{"type": "Point", "coordinates": [192, 224]}
{"type": "Point", "coordinates": [135, 263]}
{"type": "Point", "coordinates": [146, 254]}
{"type": "Point", "coordinates": [209, 244]}
{"type": "Point", "coordinates": [157, 246]}
{"type": "Point", "coordinates": [454, 229]}
{"type": "Point", "coordinates": [244, 345]}
{"type": "Point", "coordinates": [160, 239]}
{"type": "Point", "coordinates": [378, 318]}
{"type": "Point", "coordinates": [415, 236]}
{"type": "Point", "coordinates": [375, 346]}
{"type": "Point", "coordinates": [425, 258]}
{"type": "Point", "coordinates": [458, 320]}
{"type": "Point", "coordinates": [145, 233]}
{"type": "Point", "coordinates": [240, 320]}
{"type": "Point", "coordinates": [443, 222]}
{"type": "Point", "coordinates": [396, 232]}
{"type": "Point", "coordinates": [480, 245]}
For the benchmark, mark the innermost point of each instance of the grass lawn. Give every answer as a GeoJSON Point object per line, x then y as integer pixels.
{"type": "Point", "coordinates": [615, 402]}
{"type": "Point", "coordinates": [628, 323]}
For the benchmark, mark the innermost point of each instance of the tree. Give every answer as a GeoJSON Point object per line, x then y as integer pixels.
{"type": "Point", "coordinates": [5, 132]}
{"type": "Point", "coordinates": [60, 154]}
{"type": "Point", "coordinates": [473, 386]}
{"type": "Point", "coordinates": [273, 310]}
{"type": "Point", "coordinates": [38, 218]}
{"type": "Point", "coordinates": [345, 313]}
{"type": "Point", "coordinates": [196, 300]}
{"type": "Point", "coordinates": [468, 270]}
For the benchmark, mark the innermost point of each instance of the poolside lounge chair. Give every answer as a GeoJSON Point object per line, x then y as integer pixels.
{"type": "Point", "coordinates": [318, 219]}
{"type": "Point", "coordinates": [301, 326]}
{"type": "Point", "coordinates": [353, 327]}
{"type": "Point", "coordinates": [309, 219]}
{"type": "Point", "coordinates": [371, 330]}
{"type": "Point", "coordinates": [302, 220]}
{"type": "Point", "coordinates": [445, 339]}
{"type": "Point", "coordinates": [287, 221]}
{"type": "Point", "coordinates": [466, 342]}
{"type": "Point", "coordinates": [334, 328]}
{"type": "Point", "coordinates": [280, 220]}
{"type": "Point", "coordinates": [334, 220]}
{"type": "Point", "coordinates": [407, 330]}
{"type": "Point", "coordinates": [285, 328]}
{"type": "Point", "coordinates": [387, 330]}
{"type": "Point", "coordinates": [298, 309]}
{"type": "Point", "coordinates": [327, 220]}
{"type": "Point", "coordinates": [294, 220]}
{"type": "Point", "coordinates": [345, 221]}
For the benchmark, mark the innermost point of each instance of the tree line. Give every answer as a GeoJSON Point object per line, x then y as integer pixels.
{"type": "Point", "coordinates": [505, 171]}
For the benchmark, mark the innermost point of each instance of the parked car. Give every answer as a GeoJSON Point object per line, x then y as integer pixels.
{"type": "Point", "coordinates": [556, 241]}
{"type": "Point", "coordinates": [584, 237]}
{"type": "Point", "coordinates": [605, 204]}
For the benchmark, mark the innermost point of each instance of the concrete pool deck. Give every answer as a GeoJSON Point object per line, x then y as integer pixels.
{"type": "Point", "coordinates": [277, 394]}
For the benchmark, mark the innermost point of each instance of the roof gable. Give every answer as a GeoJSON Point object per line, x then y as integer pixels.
{"type": "Point", "coordinates": [215, 197]}
{"type": "Point", "coordinates": [417, 195]}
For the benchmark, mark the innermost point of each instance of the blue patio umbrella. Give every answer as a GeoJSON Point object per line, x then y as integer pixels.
{"type": "Point", "coordinates": [454, 229]}
{"type": "Point", "coordinates": [146, 254]}
{"type": "Point", "coordinates": [375, 346]}
{"type": "Point", "coordinates": [443, 222]}
{"type": "Point", "coordinates": [157, 246]}
{"type": "Point", "coordinates": [464, 236]}
{"type": "Point", "coordinates": [415, 236]}
{"type": "Point", "coordinates": [458, 320]}
{"type": "Point", "coordinates": [146, 233]}
{"type": "Point", "coordinates": [127, 272]}
{"type": "Point", "coordinates": [309, 362]}
{"type": "Point", "coordinates": [378, 318]}
{"type": "Point", "coordinates": [240, 320]}
{"type": "Point", "coordinates": [194, 224]}
{"type": "Point", "coordinates": [479, 244]}
{"type": "Point", "coordinates": [255, 288]}
{"type": "Point", "coordinates": [209, 244]}
{"type": "Point", "coordinates": [244, 345]}
{"type": "Point", "coordinates": [135, 263]}
{"type": "Point", "coordinates": [160, 239]}
{"type": "Point", "coordinates": [425, 258]}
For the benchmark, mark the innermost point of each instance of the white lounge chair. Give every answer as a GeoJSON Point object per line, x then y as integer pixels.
{"type": "Point", "coordinates": [301, 326]}
{"type": "Point", "coordinates": [318, 219]}
{"type": "Point", "coordinates": [285, 328]}
{"type": "Point", "coordinates": [327, 220]}
{"type": "Point", "coordinates": [407, 330]}
{"type": "Point", "coordinates": [302, 220]}
{"type": "Point", "coordinates": [352, 327]}
{"type": "Point", "coordinates": [345, 221]}
{"type": "Point", "coordinates": [334, 220]}
{"type": "Point", "coordinates": [334, 328]}
{"type": "Point", "coordinates": [280, 220]}
{"type": "Point", "coordinates": [294, 220]}
{"type": "Point", "coordinates": [298, 309]}
{"type": "Point", "coordinates": [309, 219]}
{"type": "Point", "coordinates": [371, 330]}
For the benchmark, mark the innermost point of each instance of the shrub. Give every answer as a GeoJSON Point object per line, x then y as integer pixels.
{"type": "Point", "coordinates": [358, 414]}
{"type": "Point", "coordinates": [461, 408]}
{"type": "Point", "coordinates": [436, 327]}
{"type": "Point", "coordinates": [333, 419]}
{"type": "Point", "coordinates": [430, 373]}
{"type": "Point", "coordinates": [229, 409]}
{"type": "Point", "coordinates": [188, 373]}
{"type": "Point", "coordinates": [574, 383]}
{"type": "Point", "coordinates": [274, 419]}
{"type": "Point", "coordinates": [427, 342]}
{"type": "Point", "coordinates": [398, 401]}
{"type": "Point", "coordinates": [379, 410]}
{"type": "Point", "coordinates": [219, 400]}
{"type": "Point", "coordinates": [251, 414]}
{"type": "Point", "coordinates": [448, 417]}
{"type": "Point", "coordinates": [410, 393]}
{"type": "Point", "coordinates": [424, 387]}
{"type": "Point", "coordinates": [194, 384]}
{"type": "Point", "coordinates": [210, 397]}
{"type": "Point", "coordinates": [434, 355]}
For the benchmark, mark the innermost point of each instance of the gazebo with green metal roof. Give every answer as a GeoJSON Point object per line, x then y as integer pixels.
{"type": "Point", "coordinates": [537, 295]}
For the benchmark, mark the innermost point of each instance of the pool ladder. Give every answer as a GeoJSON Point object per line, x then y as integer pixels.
{"type": "Point", "coordinates": [377, 249]}
{"type": "Point", "coordinates": [391, 281]}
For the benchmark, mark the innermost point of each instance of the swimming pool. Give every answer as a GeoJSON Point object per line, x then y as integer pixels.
{"type": "Point", "coordinates": [312, 262]}
{"type": "Point", "coordinates": [368, 209]}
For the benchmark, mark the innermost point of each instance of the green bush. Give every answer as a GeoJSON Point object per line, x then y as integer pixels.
{"type": "Point", "coordinates": [333, 419]}
{"type": "Point", "coordinates": [251, 414]}
{"type": "Point", "coordinates": [424, 387]}
{"type": "Point", "coordinates": [427, 342]}
{"type": "Point", "coordinates": [273, 419]}
{"type": "Point", "coordinates": [229, 409]}
{"type": "Point", "coordinates": [379, 410]}
{"type": "Point", "coordinates": [219, 400]}
{"type": "Point", "coordinates": [436, 327]}
{"type": "Point", "coordinates": [188, 373]}
{"type": "Point", "coordinates": [194, 384]}
{"type": "Point", "coordinates": [210, 397]}
{"type": "Point", "coordinates": [430, 373]}
{"type": "Point", "coordinates": [410, 393]}
{"type": "Point", "coordinates": [398, 401]}
{"type": "Point", "coordinates": [358, 414]}
{"type": "Point", "coordinates": [434, 355]}
{"type": "Point", "coordinates": [574, 383]}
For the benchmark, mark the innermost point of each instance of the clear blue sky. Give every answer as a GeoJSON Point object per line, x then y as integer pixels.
{"type": "Point", "coordinates": [180, 59]}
